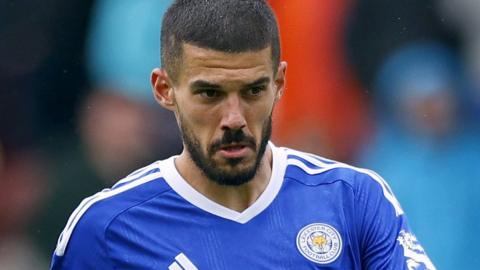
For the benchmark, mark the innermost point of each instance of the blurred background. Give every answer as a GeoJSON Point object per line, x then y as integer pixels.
{"type": "Point", "coordinates": [392, 85]}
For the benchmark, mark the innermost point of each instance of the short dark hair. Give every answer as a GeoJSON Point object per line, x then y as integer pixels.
{"type": "Point", "coordinates": [224, 25]}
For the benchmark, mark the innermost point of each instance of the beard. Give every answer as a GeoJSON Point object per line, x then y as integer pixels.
{"type": "Point", "coordinates": [234, 176]}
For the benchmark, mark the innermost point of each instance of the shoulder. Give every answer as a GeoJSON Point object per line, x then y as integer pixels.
{"type": "Point", "coordinates": [313, 170]}
{"type": "Point", "coordinates": [94, 214]}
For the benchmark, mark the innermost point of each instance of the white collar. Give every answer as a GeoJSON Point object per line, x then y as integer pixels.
{"type": "Point", "coordinates": [183, 188]}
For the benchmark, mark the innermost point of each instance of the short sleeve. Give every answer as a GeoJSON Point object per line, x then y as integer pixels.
{"type": "Point", "coordinates": [386, 239]}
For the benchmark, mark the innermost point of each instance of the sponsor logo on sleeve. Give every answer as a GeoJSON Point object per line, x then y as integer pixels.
{"type": "Point", "coordinates": [414, 252]}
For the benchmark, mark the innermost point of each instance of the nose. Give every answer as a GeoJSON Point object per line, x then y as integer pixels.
{"type": "Point", "coordinates": [233, 114]}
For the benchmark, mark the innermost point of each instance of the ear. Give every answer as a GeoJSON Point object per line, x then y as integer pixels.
{"type": "Point", "coordinates": [280, 80]}
{"type": "Point", "coordinates": [162, 89]}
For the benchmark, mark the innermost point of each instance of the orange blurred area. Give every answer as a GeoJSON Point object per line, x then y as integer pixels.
{"type": "Point", "coordinates": [323, 109]}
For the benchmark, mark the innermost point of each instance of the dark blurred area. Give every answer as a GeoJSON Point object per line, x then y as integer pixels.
{"type": "Point", "coordinates": [76, 113]}
{"type": "Point", "coordinates": [42, 80]}
{"type": "Point", "coordinates": [386, 84]}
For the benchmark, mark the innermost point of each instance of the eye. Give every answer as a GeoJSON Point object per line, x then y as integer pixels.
{"type": "Point", "coordinates": [209, 93]}
{"type": "Point", "coordinates": [256, 90]}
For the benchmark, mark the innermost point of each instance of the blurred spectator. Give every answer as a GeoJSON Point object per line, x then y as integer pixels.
{"type": "Point", "coordinates": [2, 158]}
{"type": "Point", "coordinates": [428, 150]}
{"type": "Point", "coordinates": [114, 120]}
{"type": "Point", "coordinates": [332, 119]}
{"type": "Point", "coordinates": [20, 253]}
{"type": "Point", "coordinates": [41, 72]}
{"type": "Point", "coordinates": [22, 192]}
{"type": "Point", "coordinates": [120, 133]}
{"type": "Point", "coordinates": [376, 27]}
{"type": "Point", "coordinates": [41, 79]}
{"type": "Point", "coordinates": [123, 46]}
{"type": "Point", "coordinates": [462, 15]}
{"type": "Point", "coordinates": [122, 50]}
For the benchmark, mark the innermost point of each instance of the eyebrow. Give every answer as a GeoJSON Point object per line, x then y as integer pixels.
{"type": "Point", "coordinates": [261, 81]}
{"type": "Point", "coordinates": [201, 84]}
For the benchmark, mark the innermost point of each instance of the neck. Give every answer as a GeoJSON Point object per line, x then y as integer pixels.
{"type": "Point", "coordinates": [237, 198]}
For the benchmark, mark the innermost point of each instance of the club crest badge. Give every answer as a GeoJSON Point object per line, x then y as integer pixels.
{"type": "Point", "coordinates": [319, 242]}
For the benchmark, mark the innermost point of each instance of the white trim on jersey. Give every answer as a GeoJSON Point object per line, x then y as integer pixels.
{"type": "Point", "coordinates": [323, 167]}
{"type": "Point", "coordinates": [182, 263]}
{"type": "Point", "coordinates": [137, 173]}
{"type": "Point", "coordinates": [89, 201]}
{"type": "Point", "coordinates": [183, 188]}
{"type": "Point", "coordinates": [315, 160]}
{"type": "Point", "coordinates": [175, 266]}
{"type": "Point", "coordinates": [422, 258]}
{"type": "Point", "coordinates": [185, 262]}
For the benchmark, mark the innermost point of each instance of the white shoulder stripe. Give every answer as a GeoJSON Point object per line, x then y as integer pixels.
{"type": "Point", "coordinates": [305, 168]}
{"type": "Point", "coordinates": [134, 178]}
{"type": "Point", "coordinates": [136, 173]}
{"type": "Point", "coordinates": [88, 202]}
{"type": "Point", "coordinates": [387, 191]}
{"type": "Point", "coordinates": [144, 169]}
{"type": "Point", "coordinates": [310, 158]}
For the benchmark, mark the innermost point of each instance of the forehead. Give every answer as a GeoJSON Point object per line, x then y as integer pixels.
{"type": "Point", "coordinates": [222, 67]}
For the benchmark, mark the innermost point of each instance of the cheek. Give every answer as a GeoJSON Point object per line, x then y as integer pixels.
{"type": "Point", "coordinates": [259, 117]}
{"type": "Point", "coordinates": [201, 122]}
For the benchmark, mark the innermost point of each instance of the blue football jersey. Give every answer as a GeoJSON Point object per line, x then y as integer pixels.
{"type": "Point", "coordinates": [314, 214]}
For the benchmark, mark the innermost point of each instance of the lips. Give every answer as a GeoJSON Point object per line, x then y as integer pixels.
{"type": "Point", "coordinates": [234, 150]}
{"type": "Point", "coordinates": [232, 147]}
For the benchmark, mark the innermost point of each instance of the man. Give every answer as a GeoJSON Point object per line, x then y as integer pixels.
{"type": "Point", "coordinates": [231, 199]}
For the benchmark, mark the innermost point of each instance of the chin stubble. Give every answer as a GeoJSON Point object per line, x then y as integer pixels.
{"type": "Point", "coordinates": [210, 168]}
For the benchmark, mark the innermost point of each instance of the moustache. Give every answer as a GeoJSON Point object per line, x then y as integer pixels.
{"type": "Point", "coordinates": [233, 136]}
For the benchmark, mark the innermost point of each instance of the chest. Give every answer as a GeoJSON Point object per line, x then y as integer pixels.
{"type": "Point", "coordinates": [295, 232]}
